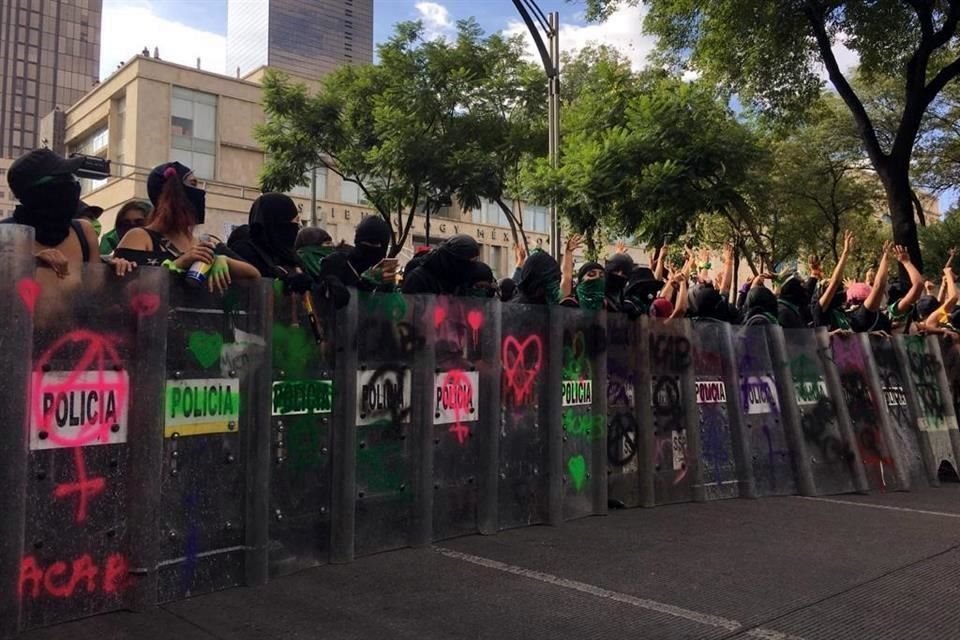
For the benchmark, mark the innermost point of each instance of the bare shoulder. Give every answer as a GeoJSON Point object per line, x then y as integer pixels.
{"type": "Point", "coordinates": [137, 238]}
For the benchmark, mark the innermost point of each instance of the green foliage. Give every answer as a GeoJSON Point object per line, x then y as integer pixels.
{"type": "Point", "coordinates": [430, 122]}
{"type": "Point", "coordinates": [937, 240]}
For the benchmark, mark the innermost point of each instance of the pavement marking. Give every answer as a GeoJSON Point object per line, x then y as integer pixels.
{"type": "Point", "coordinates": [943, 514]}
{"type": "Point", "coordinates": [623, 598]}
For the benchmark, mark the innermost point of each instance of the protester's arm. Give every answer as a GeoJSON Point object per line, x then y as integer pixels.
{"type": "Point", "coordinates": [574, 242]}
{"type": "Point", "coordinates": [916, 279]}
{"type": "Point", "coordinates": [935, 319]}
{"type": "Point", "coordinates": [661, 261]}
{"type": "Point", "coordinates": [875, 299]}
{"type": "Point", "coordinates": [680, 309]}
{"type": "Point", "coordinates": [837, 276]}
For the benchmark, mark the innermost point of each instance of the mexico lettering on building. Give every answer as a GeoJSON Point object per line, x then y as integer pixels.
{"type": "Point", "coordinates": [202, 406]}
{"type": "Point", "coordinates": [301, 397]}
{"type": "Point", "coordinates": [79, 409]}
{"type": "Point", "coordinates": [576, 393]}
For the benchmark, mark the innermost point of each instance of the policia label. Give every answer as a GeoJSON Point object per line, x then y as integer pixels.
{"type": "Point", "coordinates": [300, 397]}
{"type": "Point", "coordinates": [199, 407]}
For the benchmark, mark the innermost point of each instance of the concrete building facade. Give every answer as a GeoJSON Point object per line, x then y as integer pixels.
{"type": "Point", "coordinates": [49, 58]}
{"type": "Point", "coordinates": [306, 38]}
{"type": "Point", "coordinates": [151, 111]}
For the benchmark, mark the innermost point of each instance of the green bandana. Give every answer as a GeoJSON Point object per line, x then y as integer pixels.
{"type": "Point", "coordinates": [553, 293]}
{"type": "Point", "coordinates": [590, 294]}
{"type": "Point", "coordinates": [97, 226]}
{"type": "Point", "coordinates": [312, 256]}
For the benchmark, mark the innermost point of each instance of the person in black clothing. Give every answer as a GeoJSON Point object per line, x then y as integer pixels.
{"type": "Point", "coordinates": [49, 196]}
{"type": "Point", "coordinates": [539, 280]}
{"type": "Point", "coordinates": [273, 226]}
{"type": "Point", "coordinates": [619, 268]}
{"type": "Point", "coordinates": [364, 266]}
{"type": "Point", "coordinates": [793, 305]}
{"type": "Point", "coordinates": [312, 246]}
{"type": "Point", "coordinates": [827, 310]}
{"type": "Point", "coordinates": [480, 282]}
{"type": "Point", "coordinates": [445, 270]}
{"type": "Point", "coordinates": [760, 307]}
{"type": "Point", "coordinates": [641, 290]}
{"type": "Point", "coordinates": [711, 306]}
{"type": "Point", "coordinates": [508, 289]}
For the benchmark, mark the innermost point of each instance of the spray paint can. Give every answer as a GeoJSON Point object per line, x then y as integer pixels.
{"type": "Point", "coordinates": [197, 273]}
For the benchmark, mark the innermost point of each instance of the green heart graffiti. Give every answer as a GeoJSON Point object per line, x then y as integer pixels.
{"type": "Point", "coordinates": [206, 347]}
{"type": "Point", "coordinates": [577, 467]}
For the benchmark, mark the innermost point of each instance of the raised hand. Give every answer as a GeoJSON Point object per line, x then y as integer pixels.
{"type": "Point", "coordinates": [520, 254]}
{"type": "Point", "coordinates": [901, 254]}
{"type": "Point", "coordinates": [574, 242]}
{"type": "Point", "coordinates": [848, 241]}
{"type": "Point", "coordinates": [620, 247]}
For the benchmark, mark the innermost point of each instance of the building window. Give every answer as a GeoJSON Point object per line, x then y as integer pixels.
{"type": "Point", "coordinates": [489, 213]}
{"type": "Point", "coordinates": [193, 130]}
{"type": "Point", "coordinates": [304, 190]}
{"type": "Point", "coordinates": [93, 144]}
{"type": "Point", "coordinates": [496, 260]}
{"type": "Point", "coordinates": [536, 218]}
{"type": "Point", "coordinates": [351, 193]}
{"type": "Point", "coordinates": [118, 131]}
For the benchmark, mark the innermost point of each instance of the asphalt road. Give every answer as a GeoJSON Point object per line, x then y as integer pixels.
{"type": "Point", "coordinates": [871, 567]}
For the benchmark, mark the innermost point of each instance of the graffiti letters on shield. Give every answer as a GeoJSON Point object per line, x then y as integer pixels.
{"type": "Point", "coordinates": [302, 397]}
{"type": "Point", "coordinates": [711, 392]}
{"type": "Point", "coordinates": [457, 397]}
{"type": "Point", "coordinates": [200, 407]}
{"type": "Point", "coordinates": [577, 393]}
{"type": "Point", "coordinates": [79, 409]}
{"type": "Point", "coordinates": [809, 392]}
{"type": "Point", "coordinates": [759, 394]}
{"type": "Point", "coordinates": [383, 394]}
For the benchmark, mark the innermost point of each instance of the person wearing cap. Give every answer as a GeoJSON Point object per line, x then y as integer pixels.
{"type": "Point", "coordinates": [364, 266]}
{"type": "Point", "coordinates": [49, 193]}
{"type": "Point", "coordinates": [90, 213]}
{"type": "Point", "coordinates": [169, 240]}
{"type": "Point", "coordinates": [131, 215]}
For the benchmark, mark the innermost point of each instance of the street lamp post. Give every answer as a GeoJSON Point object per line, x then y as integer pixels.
{"type": "Point", "coordinates": [550, 56]}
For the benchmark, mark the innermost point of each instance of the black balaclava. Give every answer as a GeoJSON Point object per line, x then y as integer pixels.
{"type": "Point", "coordinates": [926, 305]}
{"type": "Point", "coordinates": [708, 303]}
{"type": "Point", "coordinates": [508, 288]}
{"type": "Point", "coordinates": [272, 228]}
{"type": "Point", "coordinates": [761, 300]}
{"type": "Point", "coordinates": [49, 209]}
{"type": "Point", "coordinates": [451, 261]}
{"type": "Point", "coordinates": [794, 292]}
{"type": "Point", "coordinates": [479, 281]}
{"type": "Point", "coordinates": [374, 230]}
{"type": "Point", "coordinates": [162, 173]}
{"type": "Point", "coordinates": [540, 279]}
{"type": "Point", "coordinates": [591, 293]}
{"type": "Point", "coordinates": [615, 282]}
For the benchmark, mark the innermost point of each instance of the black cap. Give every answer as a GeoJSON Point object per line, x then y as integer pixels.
{"type": "Point", "coordinates": [37, 164]}
{"type": "Point", "coordinates": [85, 210]}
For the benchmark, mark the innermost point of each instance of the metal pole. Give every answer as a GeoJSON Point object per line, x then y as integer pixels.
{"type": "Point", "coordinates": [554, 124]}
{"type": "Point", "coordinates": [313, 197]}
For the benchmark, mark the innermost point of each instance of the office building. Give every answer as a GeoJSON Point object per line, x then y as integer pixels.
{"type": "Point", "coordinates": [49, 57]}
{"type": "Point", "coordinates": [307, 38]}
{"type": "Point", "coordinates": [151, 111]}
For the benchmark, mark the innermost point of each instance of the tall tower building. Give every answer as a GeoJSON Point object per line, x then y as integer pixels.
{"type": "Point", "coordinates": [49, 57]}
{"type": "Point", "coordinates": [308, 38]}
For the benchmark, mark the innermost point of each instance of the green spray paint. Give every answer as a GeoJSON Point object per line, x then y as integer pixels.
{"type": "Point", "coordinates": [293, 349]}
{"type": "Point", "coordinates": [205, 347]}
{"type": "Point", "coordinates": [583, 425]}
{"type": "Point", "coordinates": [577, 467]}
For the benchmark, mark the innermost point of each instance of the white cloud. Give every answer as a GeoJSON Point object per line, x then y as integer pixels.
{"type": "Point", "coordinates": [623, 31]}
{"type": "Point", "coordinates": [436, 20]}
{"type": "Point", "coordinates": [131, 25]}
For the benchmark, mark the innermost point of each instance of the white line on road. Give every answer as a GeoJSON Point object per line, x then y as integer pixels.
{"type": "Point", "coordinates": [885, 507]}
{"type": "Point", "coordinates": [616, 596]}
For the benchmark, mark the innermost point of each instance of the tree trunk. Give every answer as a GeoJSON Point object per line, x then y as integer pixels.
{"type": "Point", "coordinates": [515, 225]}
{"type": "Point", "coordinates": [896, 183]}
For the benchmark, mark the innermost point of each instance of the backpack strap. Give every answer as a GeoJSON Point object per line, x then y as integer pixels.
{"type": "Point", "coordinates": [82, 237]}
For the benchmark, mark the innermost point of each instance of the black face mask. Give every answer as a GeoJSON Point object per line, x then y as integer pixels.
{"type": "Point", "coordinates": [49, 209]}
{"type": "Point", "coordinates": [363, 256]}
{"type": "Point", "coordinates": [615, 284]}
{"type": "Point", "coordinates": [198, 198]}
{"type": "Point", "coordinates": [285, 234]}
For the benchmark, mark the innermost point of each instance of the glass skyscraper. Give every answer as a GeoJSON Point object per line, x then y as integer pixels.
{"type": "Point", "coordinates": [49, 57]}
{"type": "Point", "coordinates": [308, 38]}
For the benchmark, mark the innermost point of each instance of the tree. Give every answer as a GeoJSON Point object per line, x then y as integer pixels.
{"type": "Point", "coordinates": [769, 52]}
{"type": "Point", "coordinates": [642, 153]}
{"type": "Point", "coordinates": [937, 240]}
{"type": "Point", "coordinates": [412, 131]}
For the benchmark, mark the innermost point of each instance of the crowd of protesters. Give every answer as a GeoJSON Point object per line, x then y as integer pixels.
{"type": "Point", "coordinates": [161, 233]}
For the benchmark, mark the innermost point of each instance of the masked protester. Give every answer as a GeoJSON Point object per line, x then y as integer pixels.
{"type": "Point", "coordinates": [169, 241]}
{"type": "Point", "coordinates": [793, 305]}
{"type": "Point", "coordinates": [539, 280]}
{"type": "Point", "coordinates": [641, 290]}
{"type": "Point", "coordinates": [91, 213]}
{"type": "Point", "coordinates": [445, 270]}
{"type": "Point", "coordinates": [760, 307]}
{"type": "Point", "coordinates": [618, 268]}
{"type": "Point", "coordinates": [710, 306]}
{"type": "Point", "coordinates": [274, 223]}
{"type": "Point", "coordinates": [479, 283]}
{"type": "Point", "coordinates": [131, 215]}
{"type": "Point", "coordinates": [312, 246]}
{"type": "Point", "coordinates": [49, 196]}
{"type": "Point", "coordinates": [364, 266]}
{"type": "Point", "coordinates": [590, 292]}
{"type": "Point", "coordinates": [508, 289]}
